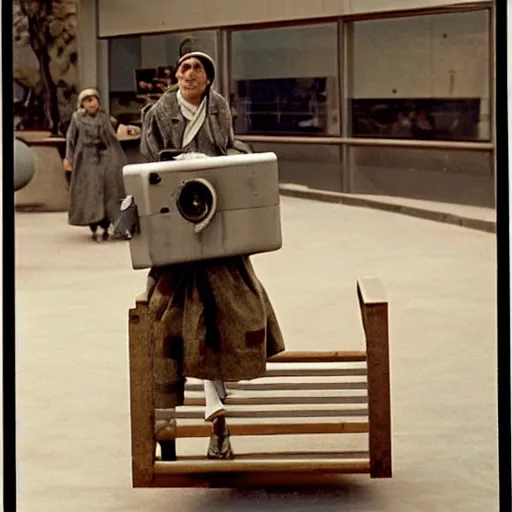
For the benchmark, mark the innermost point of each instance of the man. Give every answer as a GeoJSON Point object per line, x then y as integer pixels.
{"type": "Point", "coordinates": [191, 116]}
{"type": "Point", "coordinates": [216, 321]}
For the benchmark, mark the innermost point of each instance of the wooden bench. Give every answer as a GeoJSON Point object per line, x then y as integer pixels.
{"type": "Point", "coordinates": [317, 393]}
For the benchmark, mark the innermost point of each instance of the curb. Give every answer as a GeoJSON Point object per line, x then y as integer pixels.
{"type": "Point", "coordinates": [413, 211]}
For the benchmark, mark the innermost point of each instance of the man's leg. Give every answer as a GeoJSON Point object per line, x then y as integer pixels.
{"type": "Point", "coordinates": [214, 406]}
{"type": "Point", "coordinates": [220, 444]}
{"type": "Point", "coordinates": [165, 418]}
{"type": "Point", "coordinates": [221, 390]}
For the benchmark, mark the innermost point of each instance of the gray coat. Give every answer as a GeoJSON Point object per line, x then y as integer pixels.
{"type": "Point", "coordinates": [163, 126]}
{"type": "Point", "coordinates": [97, 159]}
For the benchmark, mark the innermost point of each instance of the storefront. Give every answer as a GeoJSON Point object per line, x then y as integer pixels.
{"type": "Point", "coordinates": [376, 101]}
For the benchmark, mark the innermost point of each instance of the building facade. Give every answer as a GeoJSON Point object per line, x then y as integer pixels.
{"type": "Point", "coordinates": [381, 97]}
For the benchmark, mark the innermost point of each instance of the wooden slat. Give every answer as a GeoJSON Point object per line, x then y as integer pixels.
{"type": "Point", "coordinates": [281, 411]}
{"type": "Point", "coordinates": [275, 385]}
{"type": "Point", "coordinates": [307, 455]}
{"type": "Point", "coordinates": [313, 370]}
{"type": "Point", "coordinates": [332, 356]}
{"type": "Point", "coordinates": [279, 398]}
{"type": "Point", "coordinates": [185, 467]}
{"type": "Point", "coordinates": [199, 428]}
{"type": "Point", "coordinates": [299, 465]}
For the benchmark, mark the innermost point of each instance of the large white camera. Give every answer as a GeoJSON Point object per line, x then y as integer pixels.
{"type": "Point", "coordinates": [197, 209]}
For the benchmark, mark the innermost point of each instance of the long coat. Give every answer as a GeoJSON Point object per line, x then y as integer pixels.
{"type": "Point", "coordinates": [97, 160]}
{"type": "Point", "coordinates": [213, 319]}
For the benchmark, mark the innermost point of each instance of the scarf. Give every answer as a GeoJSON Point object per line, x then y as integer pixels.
{"type": "Point", "coordinates": [195, 116]}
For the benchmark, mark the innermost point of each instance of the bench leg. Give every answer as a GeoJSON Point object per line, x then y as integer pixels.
{"type": "Point", "coordinates": [141, 396]}
{"type": "Point", "coordinates": [379, 393]}
{"type": "Point", "coordinates": [374, 313]}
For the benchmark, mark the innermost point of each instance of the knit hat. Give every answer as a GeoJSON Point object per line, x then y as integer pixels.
{"type": "Point", "coordinates": [87, 93]}
{"type": "Point", "coordinates": [207, 62]}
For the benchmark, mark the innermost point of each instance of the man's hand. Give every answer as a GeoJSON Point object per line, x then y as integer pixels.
{"type": "Point", "coordinates": [67, 165]}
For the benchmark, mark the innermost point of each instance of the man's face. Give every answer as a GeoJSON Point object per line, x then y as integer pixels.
{"type": "Point", "coordinates": [192, 79]}
{"type": "Point", "coordinates": [91, 105]}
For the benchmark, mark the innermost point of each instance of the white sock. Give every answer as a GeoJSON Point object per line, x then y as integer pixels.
{"type": "Point", "coordinates": [221, 389]}
{"type": "Point", "coordinates": [213, 401]}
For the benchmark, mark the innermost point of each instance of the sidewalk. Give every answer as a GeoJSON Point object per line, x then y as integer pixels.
{"type": "Point", "coordinates": [72, 389]}
{"type": "Point", "coordinates": [474, 217]}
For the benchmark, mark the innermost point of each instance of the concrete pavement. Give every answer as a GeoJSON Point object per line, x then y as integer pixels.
{"type": "Point", "coordinates": [72, 298]}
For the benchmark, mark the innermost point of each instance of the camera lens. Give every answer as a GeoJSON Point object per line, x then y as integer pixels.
{"type": "Point", "coordinates": [195, 201]}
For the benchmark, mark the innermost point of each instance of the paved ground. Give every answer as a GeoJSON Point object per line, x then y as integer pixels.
{"type": "Point", "coordinates": [72, 375]}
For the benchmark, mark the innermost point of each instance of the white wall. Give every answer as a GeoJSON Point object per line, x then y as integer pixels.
{"type": "Point", "coordinates": [412, 58]}
{"type": "Point", "coordinates": [86, 43]}
{"type": "Point", "coordinates": [404, 57]}
{"type": "Point", "coordinates": [438, 56]}
{"type": "Point", "coordinates": [117, 17]}
{"type": "Point", "coordinates": [285, 53]}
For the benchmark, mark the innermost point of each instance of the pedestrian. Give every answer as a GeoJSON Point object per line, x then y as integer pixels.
{"type": "Point", "coordinates": [217, 321]}
{"type": "Point", "coordinates": [95, 159]}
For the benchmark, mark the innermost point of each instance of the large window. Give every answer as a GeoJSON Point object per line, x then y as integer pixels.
{"type": "Point", "coordinates": [424, 77]}
{"type": "Point", "coordinates": [285, 81]}
{"type": "Point", "coordinates": [317, 166]}
{"type": "Point", "coordinates": [138, 66]}
{"type": "Point", "coordinates": [451, 176]}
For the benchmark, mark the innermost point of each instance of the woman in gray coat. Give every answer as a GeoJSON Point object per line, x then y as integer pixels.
{"type": "Point", "coordinates": [96, 159]}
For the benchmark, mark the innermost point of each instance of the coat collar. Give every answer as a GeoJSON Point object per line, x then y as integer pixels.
{"type": "Point", "coordinates": [173, 131]}
{"type": "Point", "coordinates": [173, 105]}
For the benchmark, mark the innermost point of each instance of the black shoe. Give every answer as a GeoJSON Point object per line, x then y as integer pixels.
{"type": "Point", "coordinates": [168, 450]}
{"type": "Point", "coordinates": [105, 236]}
{"type": "Point", "coordinates": [94, 237]}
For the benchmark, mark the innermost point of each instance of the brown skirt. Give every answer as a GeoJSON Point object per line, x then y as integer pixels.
{"type": "Point", "coordinates": [214, 321]}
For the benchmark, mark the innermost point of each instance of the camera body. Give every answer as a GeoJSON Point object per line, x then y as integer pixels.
{"type": "Point", "coordinates": [203, 208]}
